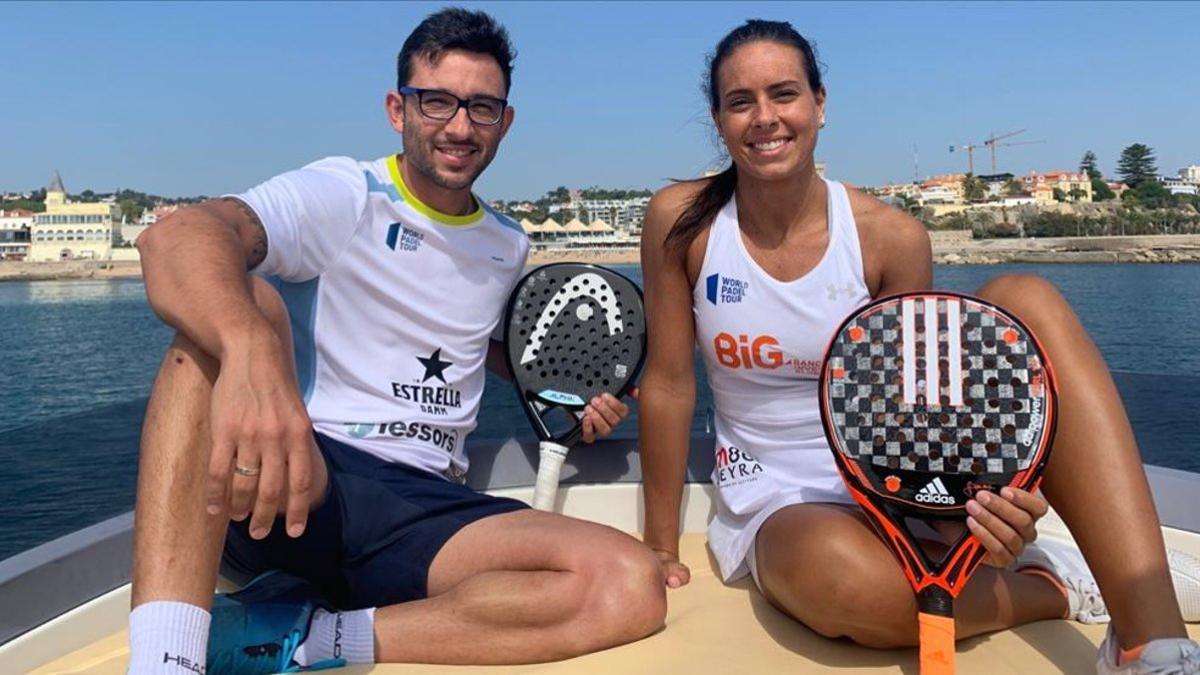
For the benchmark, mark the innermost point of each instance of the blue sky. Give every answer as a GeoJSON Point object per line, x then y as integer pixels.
{"type": "Point", "coordinates": [186, 99]}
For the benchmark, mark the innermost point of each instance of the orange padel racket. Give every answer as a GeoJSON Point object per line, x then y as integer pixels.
{"type": "Point", "coordinates": [928, 398]}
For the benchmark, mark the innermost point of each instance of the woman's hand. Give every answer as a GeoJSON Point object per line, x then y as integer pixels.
{"type": "Point", "coordinates": [675, 573]}
{"type": "Point", "coordinates": [1005, 523]}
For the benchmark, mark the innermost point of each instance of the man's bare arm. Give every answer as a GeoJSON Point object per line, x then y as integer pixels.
{"type": "Point", "coordinates": [195, 265]}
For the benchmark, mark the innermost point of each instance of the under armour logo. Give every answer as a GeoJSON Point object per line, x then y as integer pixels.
{"type": "Point", "coordinates": [833, 291]}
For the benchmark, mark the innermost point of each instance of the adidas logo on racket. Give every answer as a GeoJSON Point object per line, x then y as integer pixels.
{"type": "Point", "coordinates": [572, 332]}
{"type": "Point", "coordinates": [934, 492]}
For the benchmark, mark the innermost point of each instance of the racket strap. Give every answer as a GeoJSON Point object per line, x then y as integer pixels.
{"type": "Point", "coordinates": [550, 461]}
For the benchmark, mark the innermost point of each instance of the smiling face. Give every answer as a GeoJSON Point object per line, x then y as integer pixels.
{"type": "Point", "coordinates": [767, 113]}
{"type": "Point", "coordinates": [452, 153]}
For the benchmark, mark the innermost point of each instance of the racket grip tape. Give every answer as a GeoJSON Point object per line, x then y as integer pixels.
{"type": "Point", "coordinates": [937, 644]}
{"type": "Point", "coordinates": [550, 461]}
{"type": "Point", "coordinates": [935, 628]}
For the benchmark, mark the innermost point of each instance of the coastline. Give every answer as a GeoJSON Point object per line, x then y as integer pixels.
{"type": "Point", "coordinates": [949, 248]}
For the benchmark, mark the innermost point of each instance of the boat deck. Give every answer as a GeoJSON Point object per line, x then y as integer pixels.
{"type": "Point", "coordinates": [731, 628]}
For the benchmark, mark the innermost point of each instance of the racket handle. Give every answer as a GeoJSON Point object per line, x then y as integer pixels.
{"type": "Point", "coordinates": [550, 462]}
{"type": "Point", "coordinates": [937, 644]}
{"type": "Point", "coordinates": [935, 625]}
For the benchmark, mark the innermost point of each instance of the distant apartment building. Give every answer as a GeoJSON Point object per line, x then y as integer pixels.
{"type": "Point", "coordinates": [15, 226]}
{"type": "Point", "coordinates": [912, 190]}
{"type": "Point", "coordinates": [1076, 186]}
{"type": "Point", "coordinates": [943, 189]}
{"type": "Point", "coordinates": [1179, 186]}
{"type": "Point", "coordinates": [622, 214]}
{"type": "Point", "coordinates": [70, 230]}
{"type": "Point", "coordinates": [1190, 174]}
{"type": "Point", "coordinates": [995, 184]}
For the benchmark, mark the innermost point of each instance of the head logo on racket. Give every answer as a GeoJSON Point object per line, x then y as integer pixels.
{"type": "Point", "coordinates": [572, 332]}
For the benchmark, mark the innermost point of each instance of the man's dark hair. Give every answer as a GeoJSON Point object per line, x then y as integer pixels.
{"type": "Point", "coordinates": [456, 28]}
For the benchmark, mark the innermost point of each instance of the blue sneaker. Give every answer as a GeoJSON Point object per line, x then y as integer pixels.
{"type": "Point", "coordinates": [257, 629]}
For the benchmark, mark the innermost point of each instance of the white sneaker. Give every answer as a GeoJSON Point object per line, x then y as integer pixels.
{"type": "Point", "coordinates": [1185, 574]}
{"type": "Point", "coordinates": [1168, 656]}
{"type": "Point", "coordinates": [1063, 560]}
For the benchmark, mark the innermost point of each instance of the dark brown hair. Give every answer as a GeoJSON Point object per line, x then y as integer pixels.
{"type": "Point", "coordinates": [456, 28]}
{"type": "Point", "coordinates": [718, 189]}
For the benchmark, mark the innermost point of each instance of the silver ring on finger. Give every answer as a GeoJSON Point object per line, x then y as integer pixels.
{"type": "Point", "coordinates": [247, 470]}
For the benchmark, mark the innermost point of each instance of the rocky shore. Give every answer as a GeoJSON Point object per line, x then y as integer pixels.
{"type": "Point", "coordinates": [957, 248]}
{"type": "Point", "coordinates": [71, 269]}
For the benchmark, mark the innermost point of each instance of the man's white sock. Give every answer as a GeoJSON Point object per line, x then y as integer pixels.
{"type": "Point", "coordinates": [166, 637]}
{"type": "Point", "coordinates": [339, 635]}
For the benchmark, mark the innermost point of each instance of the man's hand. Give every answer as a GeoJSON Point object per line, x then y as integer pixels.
{"type": "Point", "coordinates": [1005, 523]}
{"type": "Point", "coordinates": [603, 414]}
{"type": "Point", "coordinates": [262, 439]}
{"type": "Point", "coordinates": [675, 574]}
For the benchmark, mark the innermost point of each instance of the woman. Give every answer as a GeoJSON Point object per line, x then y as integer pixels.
{"type": "Point", "coordinates": [758, 265]}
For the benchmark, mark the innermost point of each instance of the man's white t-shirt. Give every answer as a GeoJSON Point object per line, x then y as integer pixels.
{"type": "Point", "coordinates": [392, 305]}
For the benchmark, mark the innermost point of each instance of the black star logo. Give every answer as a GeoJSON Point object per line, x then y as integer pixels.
{"type": "Point", "coordinates": [434, 365]}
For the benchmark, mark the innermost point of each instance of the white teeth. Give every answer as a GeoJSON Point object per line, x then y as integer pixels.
{"type": "Point", "coordinates": [770, 145]}
{"type": "Point", "coordinates": [457, 152]}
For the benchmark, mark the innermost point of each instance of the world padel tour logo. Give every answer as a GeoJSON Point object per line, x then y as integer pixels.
{"type": "Point", "coordinates": [433, 399]}
{"type": "Point", "coordinates": [726, 290]}
{"type": "Point", "coordinates": [401, 238]}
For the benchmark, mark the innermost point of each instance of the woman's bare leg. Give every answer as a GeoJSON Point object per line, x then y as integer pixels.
{"type": "Point", "coordinates": [1095, 480]}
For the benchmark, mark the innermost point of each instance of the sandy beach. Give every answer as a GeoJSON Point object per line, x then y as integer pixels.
{"type": "Point", "coordinates": [949, 248]}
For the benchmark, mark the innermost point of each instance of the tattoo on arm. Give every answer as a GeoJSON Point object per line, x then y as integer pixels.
{"type": "Point", "coordinates": [254, 234]}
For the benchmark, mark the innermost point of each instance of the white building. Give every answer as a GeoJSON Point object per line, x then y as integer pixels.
{"type": "Point", "coordinates": [1179, 186]}
{"type": "Point", "coordinates": [623, 214]}
{"type": "Point", "coordinates": [1190, 174]}
{"type": "Point", "coordinates": [15, 226]}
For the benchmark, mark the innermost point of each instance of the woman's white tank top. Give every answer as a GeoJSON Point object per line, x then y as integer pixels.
{"type": "Point", "coordinates": [763, 340]}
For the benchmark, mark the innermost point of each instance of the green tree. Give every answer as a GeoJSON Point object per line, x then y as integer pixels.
{"type": "Point", "coordinates": [1076, 194]}
{"type": "Point", "coordinates": [1013, 187]}
{"type": "Point", "coordinates": [973, 188]}
{"type": "Point", "coordinates": [1153, 195]}
{"type": "Point", "coordinates": [1088, 165]}
{"type": "Point", "coordinates": [37, 206]}
{"type": "Point", "coordinates": [1137, 165]}
{"type": "Point", "coordinates": [909, 203]}
{"type": "Point", "coordinates": [130, 209]}
{"type": "Point", "coordinates": [1059, 195]}
{"type": "Point", "coordinates": [1100, 191]}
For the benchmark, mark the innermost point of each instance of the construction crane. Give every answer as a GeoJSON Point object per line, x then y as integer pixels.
{"type": "Point", "coordinates": [991, 143]}
{"type": "Point", "coordinates": [970, 148]}
{"type": "Point", "coordinates": [1009, 145]}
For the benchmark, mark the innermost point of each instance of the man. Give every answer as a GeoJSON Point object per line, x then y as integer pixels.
{"type": "Point", "coordinates": [388, 278]}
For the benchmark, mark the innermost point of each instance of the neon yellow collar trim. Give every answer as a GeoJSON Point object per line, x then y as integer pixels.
{"type": "Point", "coordinates": [423, 208]}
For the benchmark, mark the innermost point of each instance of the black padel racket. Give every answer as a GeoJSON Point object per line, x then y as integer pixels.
{"type": "Point", "coordinates": [928, 398]}
{"type": "Point", "coordinates": [572, 332]}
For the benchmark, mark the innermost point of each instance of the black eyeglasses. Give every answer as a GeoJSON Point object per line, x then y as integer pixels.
{"type": "Point", "coordinates": [442, 105]}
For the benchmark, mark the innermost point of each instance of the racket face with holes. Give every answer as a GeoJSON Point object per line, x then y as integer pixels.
{"type": "Point", "coordinates": [573, 332]}
{"type": "Point", "coordinates": [928, 398]}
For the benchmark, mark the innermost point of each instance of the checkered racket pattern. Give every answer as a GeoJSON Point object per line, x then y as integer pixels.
{"type": "Point", "coordinates": [938, 384]}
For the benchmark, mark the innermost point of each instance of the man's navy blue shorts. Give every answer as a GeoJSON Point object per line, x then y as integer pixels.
{"type": "Point", "coordinates": [371, 542]}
